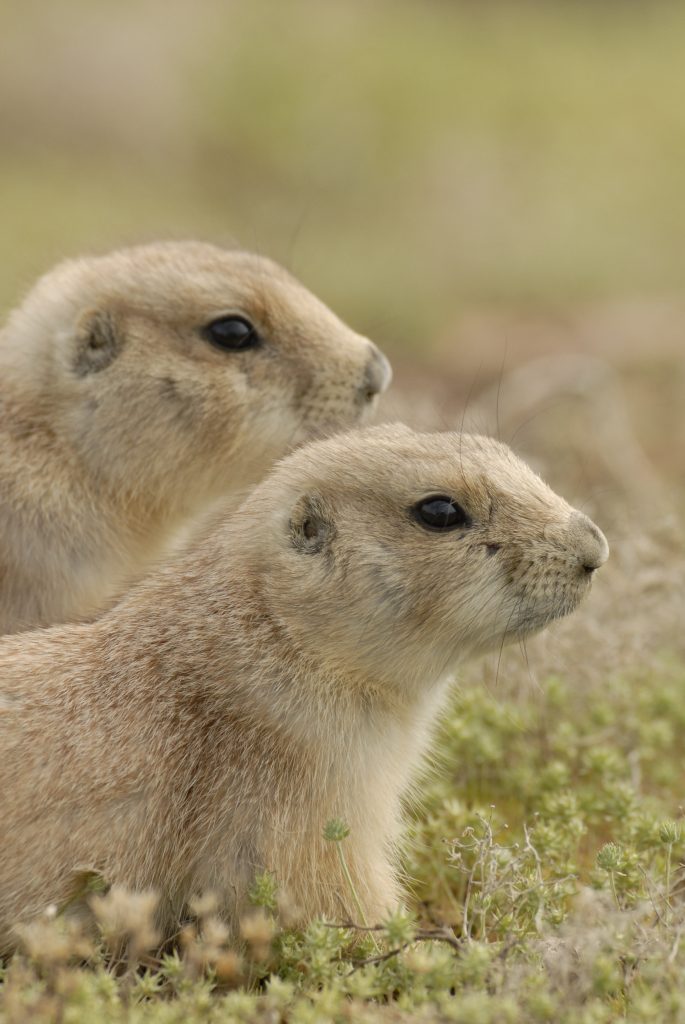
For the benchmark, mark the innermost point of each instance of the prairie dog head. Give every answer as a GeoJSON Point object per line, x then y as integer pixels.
{"type": "Point", "coordinates": [184, 362]}
{"type": "Point", "coordinates": [394, 555]}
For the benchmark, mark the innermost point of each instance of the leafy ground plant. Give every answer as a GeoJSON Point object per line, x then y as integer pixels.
{"type": "Point", "coordinates": [547, 885]}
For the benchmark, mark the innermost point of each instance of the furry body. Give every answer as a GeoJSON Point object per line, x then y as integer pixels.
{"type": "Point", "coordinates": [283, 671]}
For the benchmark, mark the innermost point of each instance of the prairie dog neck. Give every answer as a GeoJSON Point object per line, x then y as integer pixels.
{"type": "Point", "coordinates": [341, 729]}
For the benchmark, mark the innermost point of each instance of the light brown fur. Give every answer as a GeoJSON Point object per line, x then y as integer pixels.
{"type": "Point", "coordinates": [284, 671]}
{"type": "Point", "coordinates": [120, 422]}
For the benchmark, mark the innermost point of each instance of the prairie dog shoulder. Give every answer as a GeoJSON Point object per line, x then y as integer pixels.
{"type": "Point", "coordinates": [139, 387]}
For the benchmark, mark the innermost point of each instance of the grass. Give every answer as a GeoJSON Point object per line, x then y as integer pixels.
{"type": "Point", "coordinates": [546, 867]}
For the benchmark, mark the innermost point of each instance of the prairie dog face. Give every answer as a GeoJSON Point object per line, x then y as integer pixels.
{"type": "Point", "coordinates": [186, 362]}
{"type": "Point", "coordinates": [398, 554]}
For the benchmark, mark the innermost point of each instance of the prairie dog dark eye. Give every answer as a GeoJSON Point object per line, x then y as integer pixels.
{"type": "Point", "coordinates": [233, 333]}
{"type": "Point", "coordinates": [438, 512]}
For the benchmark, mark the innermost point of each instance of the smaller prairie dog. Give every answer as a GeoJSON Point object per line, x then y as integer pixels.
{"type": "Point", "coordinates": [283, 671]}
{"type": "Point", "coordinates": [137, 388]}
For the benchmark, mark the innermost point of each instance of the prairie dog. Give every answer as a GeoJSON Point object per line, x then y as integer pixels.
{"type": "Point", "coordinates": [138, 387]}
{"type": "Point", "coordinates": [283, 671]}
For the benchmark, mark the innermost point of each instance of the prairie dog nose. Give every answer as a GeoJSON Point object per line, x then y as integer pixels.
{"type": "Point", "coordinates": [590, 543]}
{"type": "Point", "coordinates": [377, 374]}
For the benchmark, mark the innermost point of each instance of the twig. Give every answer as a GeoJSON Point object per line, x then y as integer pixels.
{"type": "Point", "coordinates": [443, 934]}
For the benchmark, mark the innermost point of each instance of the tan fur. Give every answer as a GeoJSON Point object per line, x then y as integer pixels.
{"type": "Point", "coordinates": [120, 422]}
{"type": "Point", "coordinates": [284, 671]}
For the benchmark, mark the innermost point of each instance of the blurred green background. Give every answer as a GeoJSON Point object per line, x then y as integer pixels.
{"type": "Point", "coordinates": [411, 160]}
{"type": "Point", "coordinates": [473, 184]}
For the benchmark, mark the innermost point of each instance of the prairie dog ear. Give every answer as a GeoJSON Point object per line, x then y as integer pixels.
{"type": "Point", "coordinates": [99, 339]}
{"type": "Point", "coordinates": [311, 525]}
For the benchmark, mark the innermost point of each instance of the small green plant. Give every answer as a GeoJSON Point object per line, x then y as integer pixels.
{"type": "Point", "coordinates": [546, 877]}
{"type": "Point", "coordinates": [336, 831]}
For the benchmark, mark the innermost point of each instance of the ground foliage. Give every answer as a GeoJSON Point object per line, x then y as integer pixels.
{"type": "Point", "coordinates": [545, 858]}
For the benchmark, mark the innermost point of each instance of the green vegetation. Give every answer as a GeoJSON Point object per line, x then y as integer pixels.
{"type": "Point", "coordinates": [546, 864]}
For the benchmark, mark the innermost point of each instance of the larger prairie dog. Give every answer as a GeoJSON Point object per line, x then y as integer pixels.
{"type": "Point", "coordinates": [283, 671]}
{"type": "Point", "coordinates": [138, 387]}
